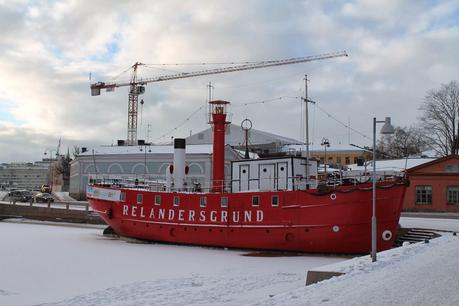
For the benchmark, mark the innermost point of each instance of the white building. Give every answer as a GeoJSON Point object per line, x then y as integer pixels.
{"type": "Point", "coordinates": [145, 161]}
{"type": "Point", "coordinates": [259, 141]}
{"type": "Point", "coordinates": [24, 175]}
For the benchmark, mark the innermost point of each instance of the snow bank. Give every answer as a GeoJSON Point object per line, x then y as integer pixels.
{"type": "Point", "coordinates": [418, 274]}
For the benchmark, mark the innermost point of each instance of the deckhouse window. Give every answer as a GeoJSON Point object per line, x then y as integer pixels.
{"type": "Point", "coordinates": [123, 197]}
{"type": "Point", "coordinates": [255, 200]}
{"type": "Point", "coordinates": [423, 194]}
{"type": "Point", "coordinates": [176, 201]}
{"type": "Point", "coordinates": [275, 200]}
{"type": "Point", "coordinates": [453, 195]}
{"type": "Point", "coordinates": [139, 198]}
{"type": "Point", "coordinates": [157, 199]}
{"type": "Point", "coordinates": [224, 201]}
{"type": "Point", "coordinates": [203, 202]}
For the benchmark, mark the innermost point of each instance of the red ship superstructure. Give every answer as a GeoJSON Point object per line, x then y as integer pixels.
{"type": "Point", "coordinates": [269, 204]}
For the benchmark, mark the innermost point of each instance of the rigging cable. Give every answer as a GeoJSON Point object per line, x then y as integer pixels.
{"type": "Point", "coordinates": [181, 124]}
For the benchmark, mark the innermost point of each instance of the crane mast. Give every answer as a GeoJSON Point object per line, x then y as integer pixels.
{"type": "Point", "coordinates": [134, 91]}
{"type": "Point", "coordinates": [137, 85]}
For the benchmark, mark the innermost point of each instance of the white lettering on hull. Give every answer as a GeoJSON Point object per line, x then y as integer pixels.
{"type": "Point", "coordinates": [247, 216]}
{"type": "Point", "coordinates": [182, 215]}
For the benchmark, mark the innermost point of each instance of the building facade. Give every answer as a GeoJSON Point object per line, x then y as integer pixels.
{"type": "Point", "coordinates": [434, 186]}
{"type": "Point", "coordinates": [28, 176]}
{"type": "Point", "coordinates": [336, 155]}
{"type": "Point", "coordinates": [144, 161]}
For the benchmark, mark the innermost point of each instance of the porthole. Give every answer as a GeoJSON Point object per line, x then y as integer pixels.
{"type": "Point", "coordinates": [335, 228]}
{"type": "Point", "coordinates": [289, 237]}
{"type": "Point", "coordinates": [244, 171]}
{"type": "Point", "coordinates": [275, 200]}
{"type": "Point", "coordinates": [264, 170]}
{"type": "Point", "coordinates": [333, 196]}
{"type": "Point", "coordinates": [176, 201]}
{"type": "Point", "coordinates": [386, 235]}
{"type": "Point", "coordinates": [203, 202]}
{"type": "Point", "coordinates": [255, 201]}
{"type": "Point", "coordinates": [282, 169]}
{"type": "Point", "coordinates": [224, 202]}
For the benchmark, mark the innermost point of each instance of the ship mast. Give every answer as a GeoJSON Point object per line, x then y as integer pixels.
{"type": "Point", "coordinates": [306, 118]}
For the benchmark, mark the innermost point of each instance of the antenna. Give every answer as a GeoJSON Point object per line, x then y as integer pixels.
{"type": "Point", "coordinates": [210, 88]}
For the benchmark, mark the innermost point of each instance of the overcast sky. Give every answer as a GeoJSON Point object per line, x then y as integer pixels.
{"type": "Point", "coordinates": [398, 50]}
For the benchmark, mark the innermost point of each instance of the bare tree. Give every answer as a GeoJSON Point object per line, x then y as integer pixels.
{"type": "Point", "coordinates": [439, 118]}
{"type": "Point", "coordinates": [404, 142]}
{"type": "Point", "coordinates": [62, 167]}
{"type": "Point", "coordinates": [76, 151]}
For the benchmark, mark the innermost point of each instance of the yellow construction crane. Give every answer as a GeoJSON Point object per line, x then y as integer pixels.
{"type": "Point", "coordinates": [137, 86]}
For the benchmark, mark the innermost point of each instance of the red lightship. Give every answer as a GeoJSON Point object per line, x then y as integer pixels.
{"type": "Point", "coordinates": [269, 204]}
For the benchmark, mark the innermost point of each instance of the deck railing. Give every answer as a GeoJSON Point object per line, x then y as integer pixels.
{"type": "Point", "coordinates": [332, 180]}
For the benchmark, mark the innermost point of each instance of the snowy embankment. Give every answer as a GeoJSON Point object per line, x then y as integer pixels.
{"type": "Point", "coordinates": [62, 196]}
{"type": "Point", "coordinates": [418, 274]}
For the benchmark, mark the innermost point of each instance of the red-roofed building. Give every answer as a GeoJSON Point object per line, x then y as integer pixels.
{"type": "Point", "coordinates": [434, 186]}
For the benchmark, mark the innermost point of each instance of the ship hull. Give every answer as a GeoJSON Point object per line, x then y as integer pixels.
{"type": "Point", "coordinates": [338, 221]}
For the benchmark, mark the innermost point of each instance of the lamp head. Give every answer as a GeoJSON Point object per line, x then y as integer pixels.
{"type": "Point", "coordinates": [387, 127]}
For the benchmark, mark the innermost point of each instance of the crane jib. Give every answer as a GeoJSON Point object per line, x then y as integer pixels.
{"type": "Point", "coordinates": [263, 64]}
{"type": "Point", "coordinates": [137, 87]}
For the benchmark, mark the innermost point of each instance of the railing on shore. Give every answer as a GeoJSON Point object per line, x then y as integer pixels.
{"type": "Point", "coordinates": [68, 205]}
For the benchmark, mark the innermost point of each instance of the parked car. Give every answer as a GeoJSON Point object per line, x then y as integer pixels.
{"type": "Point", "coordinates": [43, 197]}
{"type": "Point", "coordinates": [20, 195]}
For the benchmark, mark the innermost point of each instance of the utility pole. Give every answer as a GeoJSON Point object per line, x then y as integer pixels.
{"type": "Point", "coordinates": [148, 132]}
{"type": "Point", "coordinates": [457, 134]}
{"type": "Point", "coordinates": [306, 118]}
{"type": "Point", "coordinates": [306, 115]}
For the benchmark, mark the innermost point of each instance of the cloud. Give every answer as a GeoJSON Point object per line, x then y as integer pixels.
{"type": "Point", "coordinates": [398, 51]}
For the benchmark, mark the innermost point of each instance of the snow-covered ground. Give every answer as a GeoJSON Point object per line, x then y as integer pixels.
{"type": "Point", "coordinates": [51, 264]}
{"type": "Point", "coordinates": [418, 274]}
{"type": "Point", "coordinates": [69, 265]}
{"type": "Point", "coordinates": [431, 223]}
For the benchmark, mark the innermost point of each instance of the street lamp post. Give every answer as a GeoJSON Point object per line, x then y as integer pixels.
{"type": "Point", "coordinates": [50, 174]}
{"type": "Point", "coordinates": [386, 129]}
{"type": "Point", "coordinates": [326, 144]}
